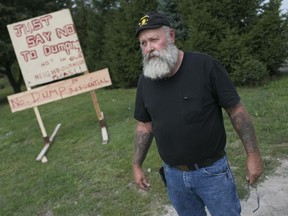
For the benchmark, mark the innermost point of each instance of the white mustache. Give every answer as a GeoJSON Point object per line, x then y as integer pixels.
{"type": "Point", "coordinates": [151, 55]}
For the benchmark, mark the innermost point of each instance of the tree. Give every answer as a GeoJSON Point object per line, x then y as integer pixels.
{"type": "Point", "coordinates": [205, 30]}
{"type": "Point", "coordinates": [237, 31]}
{"type": "Point", "coordinates": [121, 48]}
{"type": "Point", "coordinates": [99, 16]}
{"type": "Point", "coordinates": [169, 8]}
{"type": "Point", "coordinates": [269, 36]}
{"type": "Point", "coordinates": [14, 11]}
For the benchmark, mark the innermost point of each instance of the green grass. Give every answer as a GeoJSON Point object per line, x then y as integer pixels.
{"type": "Point", "coordinates": [85, 177]}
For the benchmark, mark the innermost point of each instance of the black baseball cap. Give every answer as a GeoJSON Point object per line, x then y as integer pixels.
{"type": "Point", "coordinates": [152, 20]}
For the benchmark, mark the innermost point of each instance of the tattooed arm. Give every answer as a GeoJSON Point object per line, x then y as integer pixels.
{"type": "Point", "coordinates": [142, 142]}
{"type": "Point", "coordinates": [242, 124]}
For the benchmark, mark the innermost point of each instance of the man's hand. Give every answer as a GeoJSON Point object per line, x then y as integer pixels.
{"type": "Point", "coordinates": [254, 167]}
{"type": "Point", "coordinates": [140, 178]}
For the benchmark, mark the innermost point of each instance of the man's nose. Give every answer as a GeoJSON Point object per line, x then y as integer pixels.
{"type": "Point", "coordinates": [150, 48]}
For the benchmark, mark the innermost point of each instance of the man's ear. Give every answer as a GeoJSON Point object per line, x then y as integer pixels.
{"type": "Point", "coordinates": [172, 35]}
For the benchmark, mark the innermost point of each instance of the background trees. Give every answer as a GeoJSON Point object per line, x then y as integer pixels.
{"type": "Point", "coordinates": [121, 48]}
{"type": "Point", "coordinates": [248, 36]}
{"type": "Point", "coordinates": [12, 11]}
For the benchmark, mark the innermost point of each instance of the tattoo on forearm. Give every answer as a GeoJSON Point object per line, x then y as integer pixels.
{"type": "Point", "coordinates": [142, 144]}
{"type": "Point", "coordinates": [245, 129]}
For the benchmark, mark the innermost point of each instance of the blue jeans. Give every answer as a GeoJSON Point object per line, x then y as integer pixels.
{"type": "Point", "coordinates": [212, 186]}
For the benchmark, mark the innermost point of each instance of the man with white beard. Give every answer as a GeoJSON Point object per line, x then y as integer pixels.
{"type": "Point", "coordinates": [179, 101]}
{"type": "Point", "coordinates": [159, 64]}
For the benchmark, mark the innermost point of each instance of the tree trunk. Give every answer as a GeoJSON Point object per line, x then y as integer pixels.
{"type": "Point", "coordinates": [15, 84]}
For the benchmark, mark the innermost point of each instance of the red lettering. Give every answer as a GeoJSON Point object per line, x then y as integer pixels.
{"type": "Point", "coordinates": [30, 41]}
{"type": "Point", "coordinates": [29, 55]}
{"type": "Point", "coordinates": [18, 28]}
{"type": "Point", "coordinates": [61, 91]}
{"type": "Point", "coordinates": [47, 35]}
{"type": "Point", "coordinates": [66, 47]}
{"type": "Point", "coordinates": [66, 31]}
{"type": "Point", "coordinates": [35, 96]}
{"type": "Point", "coordinates": [46, 19]}
{"type": "Point", "coordinates": [39, 39]}
{"type": "Point", "coordinates": [34, 40]}
{"type": "Point", "coordinates": [16, 103]}
{"type": "Point", "coordinates": [36, 23]}
{"type": "Point", "coordinates": [31, 26]}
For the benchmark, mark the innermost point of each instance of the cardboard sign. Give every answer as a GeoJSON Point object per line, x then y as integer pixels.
{"type": "Point", "coordinates": [47, 48]}
{"type": "Point", "coordinates": [59, 90]}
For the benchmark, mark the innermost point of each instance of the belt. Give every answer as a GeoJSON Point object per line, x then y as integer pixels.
{"type": "Point", "coordinates": [201, 164]}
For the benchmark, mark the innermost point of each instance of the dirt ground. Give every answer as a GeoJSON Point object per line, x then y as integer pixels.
{"type": "Point", "coordinates": [273, 193]}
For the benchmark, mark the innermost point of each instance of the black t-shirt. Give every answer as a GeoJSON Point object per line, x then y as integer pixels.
{"type": "Point", "coordinates": [185, 109]}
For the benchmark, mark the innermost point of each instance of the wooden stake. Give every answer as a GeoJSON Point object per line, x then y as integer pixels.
{"type": "Point", "coordinates": [100, 116]}
{"type": "Point", "coordinates": [46, 139]}
{"type": "Point", "coordinates": [47, 145]}
{"type": "Point", "coordinates": [41, 125]}
{"type": "Point", "coordinates": [40, 122]}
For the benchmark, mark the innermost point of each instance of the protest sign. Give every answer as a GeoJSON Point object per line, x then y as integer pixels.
{"type": "Point", "coordinates": [47, 48]}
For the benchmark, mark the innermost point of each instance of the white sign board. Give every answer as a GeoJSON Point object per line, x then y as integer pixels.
{"type": "Point", "coordinates": [47, 48]}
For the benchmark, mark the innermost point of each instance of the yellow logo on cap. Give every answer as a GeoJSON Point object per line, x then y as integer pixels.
{"type": "Point", "coordinates": [143, 20]}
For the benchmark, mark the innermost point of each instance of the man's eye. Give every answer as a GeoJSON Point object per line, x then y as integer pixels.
{"type": "Point", "coordinates": [154, 39]}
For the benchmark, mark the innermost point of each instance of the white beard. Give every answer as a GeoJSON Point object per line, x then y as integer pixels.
{"type": "Point", "coordinates": [159, 64]}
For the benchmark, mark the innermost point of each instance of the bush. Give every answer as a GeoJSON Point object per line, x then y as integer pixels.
{"type": "Point", "coordinates": [2, 82]}
{"type": "Point", "coordinates": [250, 72]}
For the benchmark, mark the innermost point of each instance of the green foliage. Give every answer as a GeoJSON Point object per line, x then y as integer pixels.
{"type": "Point", "coordinates": [250, 72]}
{"type": "Point", "coordinates": [98, 15]}
{"type": "Point", "coordinates": [169, 8]}
{"type": "Point", "coordinates": [235, 30]}
{"type": "Point", "coordinates": [204, 30]}
{"type": "Point", "coordinates": [121, 48]}
{"type": "Point", "coordinates": [11, 12]}
{"type": "Point", "coordinates": [269, 36]}
{"type": "Point", "coordinates": [232, 49]}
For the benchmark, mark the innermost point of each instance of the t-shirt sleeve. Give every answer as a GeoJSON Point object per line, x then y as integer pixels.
{"type": "Point", "coordinates": [223, 86]}
{"type": "Point", "coordinates": [140, 111]}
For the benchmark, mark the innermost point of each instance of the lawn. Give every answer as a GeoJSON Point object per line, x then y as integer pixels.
{"type": "Point", "coordinates": [85, 177]}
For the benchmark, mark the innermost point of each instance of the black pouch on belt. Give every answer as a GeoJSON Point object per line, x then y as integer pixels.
{"type": "Point", "coordinates": [162, 174]}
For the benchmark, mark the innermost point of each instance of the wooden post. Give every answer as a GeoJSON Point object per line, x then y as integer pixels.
{"type": "Point", "coordinates": [43, 131]}
{"type": "Point", "coordinates": [47, 144]}
{"type": "Point", "coordinates": [100, 116]}
{"type": "Point", "coordinates": [42, 128]}
{"type": "Point", "coordinates": [47, 140]}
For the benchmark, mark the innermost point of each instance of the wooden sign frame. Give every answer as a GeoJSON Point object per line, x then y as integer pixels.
{"type": "Point", "coordinates": [47, 49]}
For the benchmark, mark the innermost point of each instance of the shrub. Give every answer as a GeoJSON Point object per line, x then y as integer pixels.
{"type": "Point", "coordinates": [249, 72]}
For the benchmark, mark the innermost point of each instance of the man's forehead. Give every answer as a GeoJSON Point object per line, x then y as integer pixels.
{"type": "Point", "coordinates": [149, 33]}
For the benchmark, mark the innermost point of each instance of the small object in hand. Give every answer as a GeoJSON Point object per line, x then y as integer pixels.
{"type": "Point", "coordinates": [256, 191]}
